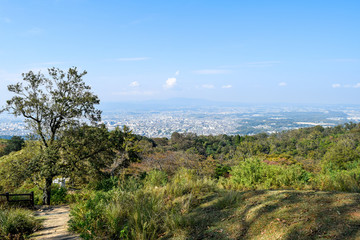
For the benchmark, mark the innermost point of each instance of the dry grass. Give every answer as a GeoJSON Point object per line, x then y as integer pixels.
{"type": "Point", "coordinates": [276, 215]}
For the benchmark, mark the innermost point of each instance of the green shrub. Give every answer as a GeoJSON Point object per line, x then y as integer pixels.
{"type": "Point", "coordinates": [105, 184]}
{"type": "Point", "coordinates": [135, 211]}
{"type": "Point", "coordinates": [156, 178]}
{"type": "Point", "coordinates": [341, 180]}
{"type": "Point", "coordinates": [79, 195]}
{"type": "Point", "coordinates": [340, 155]}
{"type": "Point", "coordinates": [86, 217]}
{"type": "Point", "coordinates": [146, 218]}
{"type": "Point", "coordinates": [185, 181]}
{"type": "Point", "coordinates": [118, 214]}
{"type": "Point", "coordinates": [58, 195]}
{"type": "Point", "coordinates": [17, 223]}
{"type": "Point", "coordinates": [255, 174]}
{"type": "Point", "coordinates": [130, 184]}
{"type": "Point", "coordinates": [222, 170]}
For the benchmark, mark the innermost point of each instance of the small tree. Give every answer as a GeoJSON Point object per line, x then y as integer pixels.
{"type": "Point", "coordinates": [95, 152]}
{"type": "Point", "coordinates": [51, 105]}
{"type": "Point", "coordinates": [86, 151]}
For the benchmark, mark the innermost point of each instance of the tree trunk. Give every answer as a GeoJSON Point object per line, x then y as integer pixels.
{"type": "Point", "coordinates": [47, 191]}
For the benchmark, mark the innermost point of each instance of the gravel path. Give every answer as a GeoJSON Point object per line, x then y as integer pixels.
{"type": "Point", "coordinates": [55, 224]}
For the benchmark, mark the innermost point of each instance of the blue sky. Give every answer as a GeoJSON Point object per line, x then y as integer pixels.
{"type": "Point", "coordinates": [239, 51]}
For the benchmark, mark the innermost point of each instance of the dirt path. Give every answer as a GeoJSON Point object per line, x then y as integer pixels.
{"type": "Point", "coordinates": [55, 224]}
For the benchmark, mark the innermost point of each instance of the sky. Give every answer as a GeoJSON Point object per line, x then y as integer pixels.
{"type": "Point", "coordinates": [229, 51]}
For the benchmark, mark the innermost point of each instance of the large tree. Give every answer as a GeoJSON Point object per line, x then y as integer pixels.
{"type": "Point", "coordinates": [50, 105]}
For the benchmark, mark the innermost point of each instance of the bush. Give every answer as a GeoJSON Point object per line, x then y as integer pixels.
{"type": "Point", "coordinates": [105, 184]}
{"type": "Point", "coordinates": [86, 217]}
{"type": "Point", "coordinates": [17, 223]}
{"type": "Point", "coordinates": [78, 195]}
{"type": "Point", "coordinates": [255, 174]}
{"type": "Point", "coordinates": [341, 180]}
{"type": "Point", "coordinates": [58, 195]}
{"type": "Point", "coordinates": [135, 211]}
{"type": "Point", "coordinates": [222, 170]}
{"type": "Point", "coordinates": [156, 178]}
{"type": "Point", "coordinates": [185, 181]}
{"type": "Point", "coordinates": [118, 214]}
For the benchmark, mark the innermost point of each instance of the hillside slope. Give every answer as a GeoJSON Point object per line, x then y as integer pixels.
{"type": "Point", "coordinates": [282, 214]}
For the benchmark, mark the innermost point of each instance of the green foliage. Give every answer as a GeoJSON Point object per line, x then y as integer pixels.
{"type": "Point", "coordinates": [341, 154]}
{"type": "Point", "coordinates": [82, 195]}
{"type": "Point", "coordinates": [58, 195]}
{"type": "Point", "coordinates": [222, 170]}
{"type": "Point", "coordinates": [130, 184]}
{"type": "Point", "coordinates": [339, 180]}
{"type": "Point", "coordinates": [50, 105]}
{"type": "Point", "coordinates": [85, 151]}
{"type": "Point", "coordinates": [17, 223]}
{"type": "Point", "coordinates": [185, 181]}
{"type": "Point", "coordinates": [15, 143]}
{"type": "Point", "coordinates": [184, 206]}
{"type": "Point", "coordinates": [14, 167]}
{"type": "Point", "coordinates": [106, 184]}
{"type": "Point", "coordinates": [253, 173]}
{"type": "Point", "coordinates": [133, 211]}
{"type": "Point", "coordinates": [126, 147]}
{"type": "Point", "coordinates": [305, 143]}
{"type": "Point", "coordinates": [118, 214]}
{"type": "Point", "coordinates": [156, 178]}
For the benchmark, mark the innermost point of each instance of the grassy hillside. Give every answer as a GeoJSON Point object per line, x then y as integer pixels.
{"type": "Point", "coordinates": [276, 215]}
{"type": "Point", "coordinates": [207, 187]}
{"type": "Point", "coordinates": [191, 207]}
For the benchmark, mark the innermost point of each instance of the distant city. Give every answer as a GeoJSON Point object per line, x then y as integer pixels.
{"type": "Point", "coordinates": [160, 120]}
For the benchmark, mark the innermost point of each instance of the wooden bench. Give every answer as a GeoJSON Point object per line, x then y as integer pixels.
{"type": "Point", "coordinates": [14, 198]}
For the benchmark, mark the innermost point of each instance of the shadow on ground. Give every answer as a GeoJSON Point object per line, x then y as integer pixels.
{"type": "Point", "coordinates": [283, 214]}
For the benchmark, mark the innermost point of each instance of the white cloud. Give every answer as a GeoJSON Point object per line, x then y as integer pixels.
{"type": "Point", "coordinates": [208, 86]}
{"type": "Point", "coordinates": [177, 73]}
{"type": "Point", "coordinates": [132, 59]}
{"type": "Point", "coordinates": [337, 85]}
{"type": "Point", "coordinates": [282, 84]}
{"type": "Point", "coordinates": [211, 71]}
{"type": "Point", "coordinates": [170, 83]}
{"type": "Point", "coordinates": [134, 84]}
{"type": "Point", "coordinates": [227, 86]}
